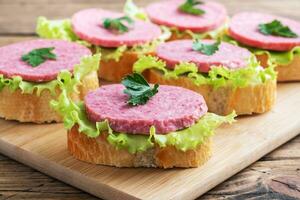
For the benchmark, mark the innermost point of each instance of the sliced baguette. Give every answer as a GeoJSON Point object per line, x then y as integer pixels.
{"type": "Point", "coordinates": [99, 151]}
{"type": "Point", "coordinates": [290, 72]}
{"type": "Point", "coordinates": [222, 101]}
{"type": "Point", "coordinates": [33, 108]}
{"type": "Point", "coordinates": [114, 71]}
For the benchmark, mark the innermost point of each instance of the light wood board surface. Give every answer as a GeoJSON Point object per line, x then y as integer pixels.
{"type": "Point", "coordinates": [44, 147]}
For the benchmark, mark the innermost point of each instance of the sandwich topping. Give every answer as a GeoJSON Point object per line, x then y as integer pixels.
{"type": "Point", "coordinates": [265, 31]}
{"type": "Point", "coordinates": [39, 56]}
{"type": "Point", "coordinates": [138, 89]}
{"type": "Point", "coordinates": [94, 26]}
{"type": "Point", "coordinates": [172, 13]}
{"type": "Point", "coordinates": [117, 24]}
{"type": "Point", "coordinates": [171, 109]}
{"type": "Point", "coordinates": [204, 53]}
{"type": "Point", "coordinates": [207, 49]}
{"type": "Point", "coordinates": [189, 7]}
{"type": "Point", "coordinates": [276, 28]}
{"type": "Point", "coordinates": [20, 59]}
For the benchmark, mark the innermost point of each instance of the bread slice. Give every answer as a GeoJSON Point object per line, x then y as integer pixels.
{"type": "Point", "coordinates": [222, 101]}
{"type": "Point", "coordinates": [114, 71]}
{"type": "Point", "coordinates": [290, 72]}
{"type": "Point", "coordinates": [33, 108]}
{"type": "Point", "coordinates": [99, 151]}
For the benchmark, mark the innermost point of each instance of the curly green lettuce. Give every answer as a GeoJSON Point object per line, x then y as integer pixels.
{"type": "Point", "coordinates": [274, 57]}
{"type": "Point", "coordinates": [133, 11]}
{"type": "Point", "coordinates": [74, 113]}
{"type": "Point", "coordinates": [62, 29]}
{"type": "Point", "coordinates": [87, 65]}
{"type": "Point", "coordinates": [217, 77]}
{"type": "Point", "coordinates": [214, 34]}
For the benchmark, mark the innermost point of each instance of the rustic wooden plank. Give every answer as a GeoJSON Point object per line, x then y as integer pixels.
{"type": "Point", "coordinates": [16, 179]}
{"type": "Point", "coordinates": [19, 16]}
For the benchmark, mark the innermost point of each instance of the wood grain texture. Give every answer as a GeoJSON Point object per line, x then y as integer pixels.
{"type": "Point", "coordinates": [235, 147]}
{"type": "Point", "coordinates": [17, 181]}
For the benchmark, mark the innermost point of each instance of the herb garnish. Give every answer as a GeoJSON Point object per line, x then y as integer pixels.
{"type": "Point", "coordinates": [276, 28]}
{"type": "Point", "coordinates": [207, 49]}
{"type": "Point", "coordinates": [189, 7]}
{"type": "Point", "coordinates": [138, 89]}
{"type": "Point", "coordinates": [39, 56]}
{"type": "Point", "coordinates": [117, 24]}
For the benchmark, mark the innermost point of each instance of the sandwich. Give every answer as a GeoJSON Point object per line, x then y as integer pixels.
{"type": "Point", "coordinates": [189, 19]}
{"type": "Point", "coordinates": [273, 39]}
{"type": "Point", "coordinates": [32, 72]}
{"type": "Point", "coordinates": [135, 124]}
{"type": "Point", "coordinates": [228, 76]}
{"type": "Point", "coordinates": [120, 38]}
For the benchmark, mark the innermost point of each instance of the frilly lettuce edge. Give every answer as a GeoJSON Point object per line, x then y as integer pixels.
{"type": "Point", "coordinates": [274, 57]}
{"type": "Point", "coordinates": [87, 65]}
{"type": "Point", "coordinates": [62, 29]}
{"type": "Point", "coordinates": [217, 77]}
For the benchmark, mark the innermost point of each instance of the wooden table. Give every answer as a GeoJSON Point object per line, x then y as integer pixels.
{"type": "Point", "coordinates": [275, 176]}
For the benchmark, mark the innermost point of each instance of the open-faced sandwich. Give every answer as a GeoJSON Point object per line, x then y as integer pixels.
{"type": "Point", "coordinates": [139, 125]}
{"type": "Point", "coordinates": [32, 72]}
{"type": "Point", "coordinates": [273, 39]}
{"type": "Point", "coordinates": [228, 76]}
{"type": "Point", "coordinates": [189, 19]}
{"type": "Point", "coordinates": [119, 37]}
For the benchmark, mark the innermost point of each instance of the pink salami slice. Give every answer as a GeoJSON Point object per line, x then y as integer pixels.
{"type": "Point", "coordinates": [68, 54]}
{"type": "Point", "coordinates": [172, 108]}
{"type": "Point", "coordinates": [88, 25]}
{"type": "Point", "coordinates": [230, 56]}
{"type": "Point", "coordinates": [244, 28]}
{"type": "Point", "coordinates": [166, 13]}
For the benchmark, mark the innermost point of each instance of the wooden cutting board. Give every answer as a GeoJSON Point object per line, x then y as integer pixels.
{"type": "Point", "coordinates": [43, 147]}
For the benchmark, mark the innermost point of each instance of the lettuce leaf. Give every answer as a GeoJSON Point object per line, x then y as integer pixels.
{"type": "Point", "coordinates": [133, 11]}
{"type": "Point", "coordinates": [275, 57]}
{"type": "Point", "coordinates": [214, 34]}
{"type": "Point", "coordinates": [217, 77]}
{"type": "Point", "coordinates": [87, 65]}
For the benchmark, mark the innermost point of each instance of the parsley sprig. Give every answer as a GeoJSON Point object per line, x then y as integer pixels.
{"type": "Point", "coordinates": [117, 24]}
{"type": "Point", "coordinates": [39, 56]}
{"type": "Point", "coordinates": [189, 7]}
{"type": "Point", "coordinates": [138, 89]}
{"type": "Point", "coordinates": [276, 28]}
{"type": "Point", "coordinates": [207, 49]}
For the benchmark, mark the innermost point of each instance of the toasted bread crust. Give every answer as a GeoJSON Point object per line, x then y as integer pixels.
{"type": "Point", "coordinates": [290, 72]}
{"type": "Point", "coordinates": [114, 71]}
{"type": "Point", "coordinates": [222, 101]}
{"type": "Point", "coordinates": [99, 151]}
{"type": "Point", "coordinates": [33, 108]}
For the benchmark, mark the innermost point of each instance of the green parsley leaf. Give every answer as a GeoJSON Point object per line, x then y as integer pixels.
{"type": "Point", "coordinates": [276, 28]}
{"type": "Point", "coordinates": [39, 56]}
{"type": "Point", "coordinates": [207, 49]}
{"type": "Point", "coordinates": [138, 89]}
{"type": "Point", "coordinates": [118, 24]}
{"type": "Point", "coordinates": [189, 7]}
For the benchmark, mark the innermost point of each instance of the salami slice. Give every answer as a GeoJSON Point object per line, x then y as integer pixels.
{"type": "Point", "coordinates": [88, 25]}
{"type": "Point", "coordinates": [166, 13]}
{"type": "Point", "coordinates": [172, 108]}
{"type": "Point", "coordinates": [230, 56]}
{"type": "Point", "coordinates": [68, 54]}
{"type": "Point", "coordinates": [244, 28]}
